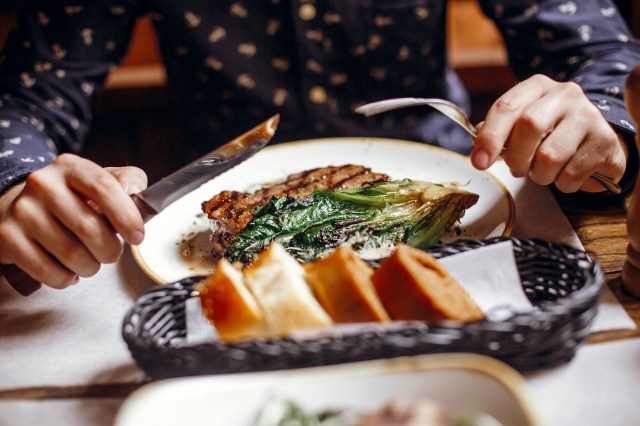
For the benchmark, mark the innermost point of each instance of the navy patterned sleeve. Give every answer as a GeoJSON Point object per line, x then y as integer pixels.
{"type": "Point", "coordinates": [51, 69]}
{"type": "Point", "coordinates": [586, 42]}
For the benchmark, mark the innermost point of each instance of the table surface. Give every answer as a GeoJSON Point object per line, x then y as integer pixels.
{"type": "Point", "coordinates": [601, 228]}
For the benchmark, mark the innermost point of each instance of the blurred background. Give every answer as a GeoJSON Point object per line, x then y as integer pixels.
{"type": "Point", "coordinates": [134, 120]}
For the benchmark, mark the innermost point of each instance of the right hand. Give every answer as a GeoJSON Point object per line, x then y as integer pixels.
{"type": "Point", "coordinates": [551, 132]}
{"type": "Point", "coordinates": [62, 223]}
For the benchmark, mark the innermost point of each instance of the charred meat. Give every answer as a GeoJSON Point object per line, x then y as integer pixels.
{"type": "Point", "coordinates": [372, 219]}
{"type": "Point", "coordinates": [231, 211]}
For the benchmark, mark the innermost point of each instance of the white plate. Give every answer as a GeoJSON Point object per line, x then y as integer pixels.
{"type": "Point", "coordinates": [462, 383]}
{"type": "Point", "coordinates": [162, 254]}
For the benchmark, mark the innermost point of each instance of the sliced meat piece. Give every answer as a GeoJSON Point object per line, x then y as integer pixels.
{"type": "Point", "coordinates": [230, 211]}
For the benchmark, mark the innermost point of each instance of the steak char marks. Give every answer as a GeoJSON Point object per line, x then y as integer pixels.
{"type": "Point", "coordinates": [230, 211]}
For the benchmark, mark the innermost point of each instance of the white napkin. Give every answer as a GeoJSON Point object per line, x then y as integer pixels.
{"type": "Point", "coordinates": [538, 215]}
{"type": "Point", "coordinates": [490, 275]}
{"type": "Point", "coordinates": [199, 329]}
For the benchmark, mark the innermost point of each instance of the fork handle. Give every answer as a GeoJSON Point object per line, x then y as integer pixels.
{"type": "Point", "coordinates": [607, 183]}
{"type": "Point", "coordinates": [602, 179]}
{"type": "Point", "coordinates": [19, 280]}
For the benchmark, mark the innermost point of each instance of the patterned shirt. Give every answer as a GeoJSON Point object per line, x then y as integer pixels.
{"type": "Point", "coordinates": [234, 63]}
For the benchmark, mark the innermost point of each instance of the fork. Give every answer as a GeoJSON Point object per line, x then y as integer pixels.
{"type": "Point", "coordinates": [458, 115]}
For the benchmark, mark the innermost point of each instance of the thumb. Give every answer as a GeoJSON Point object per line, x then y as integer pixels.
{"type": "Point", "coordinates": [132, 179]}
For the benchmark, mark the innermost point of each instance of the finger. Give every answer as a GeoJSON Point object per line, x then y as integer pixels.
{"type": "Point", "coordinates": [43, 229]}
{"type": "Point", "coordinates": [538, 120]}
{"type": "Point", "coordinates": [77, 216]}
{"type": "Point", "coordinates": [555, 152]}
{"type": "Point", "coordinates": [101, 187]}
{"type": "Point", "coordinates": [67, 249]}
{"type": "Point", "coordinates": [576, 173]}
{"type": "Point", "coordinates": [600, 151]}
{"type": "Point", "coordinates": [502, 117]}
{"type": "Point", "coordinates": [132, 179]}
{"type": "Point", "coordinates": [36, 263]}
{"type": "Point", "coordinates": [92, 230]}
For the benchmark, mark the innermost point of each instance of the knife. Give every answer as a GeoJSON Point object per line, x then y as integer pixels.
{"type": "Point", "coordinates": [163, 193]}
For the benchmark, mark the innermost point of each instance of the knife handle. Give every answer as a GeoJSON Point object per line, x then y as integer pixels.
{"type": "Point", "coordinates": [145, 209]}
{"type": "Point", "coordinates": [19, 280]}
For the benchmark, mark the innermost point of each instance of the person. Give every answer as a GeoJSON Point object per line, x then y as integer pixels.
{"type": "Point", "coordinates": [235, 62]}
{"type": "Point", "coordinates": [631, 268]}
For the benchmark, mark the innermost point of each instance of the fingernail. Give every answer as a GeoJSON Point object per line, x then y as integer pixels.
{"type": "Point", "coordinates": [136, 238]}
{"type": "Point", "coordinates": [133, 190]}
{"type": "Point", "coordinates": [481, 159]}
{"type": "Point", "coordinates": [76, 280]}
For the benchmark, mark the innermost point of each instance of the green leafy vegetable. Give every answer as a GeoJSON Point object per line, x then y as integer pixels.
{"type": "Point", "coordinates": [288, 413]}
{"type": "Point", "coordinates": [373, 219]}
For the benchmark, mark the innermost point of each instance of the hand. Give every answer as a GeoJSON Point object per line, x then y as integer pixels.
{"type": "Point", "coordinates": [552, 133]}
{"type": "Point", "coordinates": [62, 223]}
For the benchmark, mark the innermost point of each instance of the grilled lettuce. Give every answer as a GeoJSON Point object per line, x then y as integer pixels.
{"type": "Point", "coordinates": [373, 219]}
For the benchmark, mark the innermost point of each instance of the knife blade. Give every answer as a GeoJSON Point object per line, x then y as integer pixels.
{"type": "Point", "coordinates": [163, 193]}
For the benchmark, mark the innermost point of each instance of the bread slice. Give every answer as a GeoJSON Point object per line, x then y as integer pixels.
{"type": "Point", "coordinates": [276, 280]}
{"type": "Point", "coordinates": [413, 285]}
{"type": "Point", "coordinates": [341, 282]}
{"type": "Point", "coordinates": [229, 305]}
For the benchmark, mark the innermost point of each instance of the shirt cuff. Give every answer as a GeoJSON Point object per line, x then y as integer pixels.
{"type": "Point", "coordinates": [12, 177]}
{"type": "Point", "coordinates": [633, 161]}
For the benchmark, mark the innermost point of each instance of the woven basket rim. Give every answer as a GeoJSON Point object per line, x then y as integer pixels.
{"type": "Point", "coordinates": [577, 307]}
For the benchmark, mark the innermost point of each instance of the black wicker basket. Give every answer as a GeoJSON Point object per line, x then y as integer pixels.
{"type": "Point", "coordinates": [562, 282]}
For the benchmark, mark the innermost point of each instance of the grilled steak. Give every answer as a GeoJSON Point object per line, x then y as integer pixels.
{"type": "Point", "coordinates": [230, 211]}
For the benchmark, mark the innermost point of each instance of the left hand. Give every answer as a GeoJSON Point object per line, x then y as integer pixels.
{"type": "Point", "coordinates": [551, 132]}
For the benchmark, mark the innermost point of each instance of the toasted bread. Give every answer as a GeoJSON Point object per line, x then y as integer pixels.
{"type": "Point", "coordinates": [229, 304]}
{"type": "Point", "coordinates": [276, 280]}
{"type": "Point", "coordinates": [341, 282]}
{"type": "Point", "coordinates": [413, 285]}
